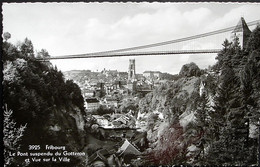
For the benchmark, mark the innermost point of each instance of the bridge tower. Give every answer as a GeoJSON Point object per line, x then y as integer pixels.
{"type": "Point", "coordinates": [241, 32]}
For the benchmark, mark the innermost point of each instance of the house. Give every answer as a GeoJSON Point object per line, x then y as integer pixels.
{"type": "Point", "coordinates": [114, 132]}
{"type": "Point", "coordinates": [101, 121]}
{"type": "Point", "coordinates": [117, 123]}
{"type": "Point", "coordinates": [110, 102]}
{"type": "Point", "coordinates": [98, 159]}
{"type": "Point", "coordinates": [108, 88]}
{"type": "Point", "coordinates": [119, 120]}
{"type": "Point", "coordinates": [103, 158]}
{"type": "Point", "coordinates": [100, 89]}
{"type": "Point", "coordinates": [128, 152]}
{"type": "Point", "coordinates": [89, 93]}
{"type": "Point", "coordinates": [92, 103]}
{"type": "Point", "coordinates": [128, 149]}
{"type": "Point", "coordinates": [112, 73]}
{"type": "Point", "coordinates": [152, 74]}
{"type": "Point", "coordinates": [123, 75]}
{"type": "Point", "coordinates": [118, 84]}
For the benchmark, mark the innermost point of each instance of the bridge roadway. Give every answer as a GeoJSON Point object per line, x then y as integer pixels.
{"type": "Point", "coordinates": [151, 53]}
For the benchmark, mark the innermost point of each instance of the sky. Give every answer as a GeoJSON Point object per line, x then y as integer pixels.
{"type": "Point", "coordinates": [77, 28]}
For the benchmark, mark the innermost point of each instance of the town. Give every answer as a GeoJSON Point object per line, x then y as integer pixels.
{"type": "Point", "coordinates": [110, 99]}
{"type": "Point", "coordinates": [110, 88]}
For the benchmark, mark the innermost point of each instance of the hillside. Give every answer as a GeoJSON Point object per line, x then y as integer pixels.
{"type": "Point", "coordinates": [50, 107]}
{"type": "Point", "coordinates": [207, 117]}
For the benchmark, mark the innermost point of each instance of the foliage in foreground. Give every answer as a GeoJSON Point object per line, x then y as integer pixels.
{"type": "Point", "coordinates": [11, 136]}
{"type": "Point", "coordinates": [39, 97]}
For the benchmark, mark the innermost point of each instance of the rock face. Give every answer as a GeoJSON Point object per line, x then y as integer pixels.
{"type": "Point", "coordinates": [173, 101]}
{"type": "Point", "coordinates": [190, 70]}
{"type": "Point", "coordinates": [69, 129]}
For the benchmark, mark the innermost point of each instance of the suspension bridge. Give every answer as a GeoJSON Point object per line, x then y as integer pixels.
{"type": "Point", "coordinates": [209, 42]}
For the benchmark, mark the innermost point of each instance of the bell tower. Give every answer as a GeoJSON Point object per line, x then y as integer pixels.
{"type": "Point", "coordinates": [131, 82]}
{"type": "Point", "coordinates": [131, 70]}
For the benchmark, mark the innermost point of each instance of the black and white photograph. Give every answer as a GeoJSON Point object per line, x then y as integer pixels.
{"type": "Point", "coordinates": [113, 84]}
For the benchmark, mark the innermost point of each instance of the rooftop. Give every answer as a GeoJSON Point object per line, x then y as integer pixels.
{"type": "Point", "coordinates": [128, 148]}
{"type": "Point", "coordinates": [152, 72]}
{"type": "Point", "coordinates": [92, 100]}
{"type": "Point", "coordinates": [241, 26]}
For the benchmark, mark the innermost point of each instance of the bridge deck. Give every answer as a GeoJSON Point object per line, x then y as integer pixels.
{"type": "Point", "coordinates": [151, 53]}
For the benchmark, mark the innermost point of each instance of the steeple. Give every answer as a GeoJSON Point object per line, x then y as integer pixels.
{"type": "Point", "coordinates": [242, 32]}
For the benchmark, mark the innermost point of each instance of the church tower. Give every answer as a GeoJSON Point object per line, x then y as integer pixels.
{"type": "Point", "coordinates": [131, 70]}
{"type": "Point", "coordinates": [131, 83]}
{"type": "Point", "coordinates": [241, 32]}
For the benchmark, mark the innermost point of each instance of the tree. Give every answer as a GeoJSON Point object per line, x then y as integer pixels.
{"type": "Point", "coordinates": [236, 104]}
{"type": "Point", "coordinates": [228, 122]}
{"type": "Point", "coordinates": [12, 137]}
{"type": "Point", "coordinates": [151, 120]}
{"type": "Point", "coordinates": [253, 43]}
{"type": "Point", "coordinates": [6, 36]}
{"type": "Point", "coordinates": [43, 54]}
{"type": "Point", "coordinates": [222, 55]}
{"type": "Point", "coordinates": [128, 105]}
{"type": "Point", "coordinates": [202, 127]}
{"type": "Point", "coordinates": [250, 83]}
{"type": "Point", "coordinates": [27, 48]}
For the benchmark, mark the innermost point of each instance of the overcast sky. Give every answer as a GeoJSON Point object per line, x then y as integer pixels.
{"type": "Point", "coordinates": [75, 28]}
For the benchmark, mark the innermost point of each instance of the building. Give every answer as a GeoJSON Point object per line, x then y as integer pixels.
{"type": "Point", "coordinates": [97, 160]}
{"type": "Point", "coordinates": [123, 75]}
{"type": "Point", "coordinates": [103, 158]}
{"type": "Point", "coordinates": [101, 121]}
{"type": "Point", "coordinates": [110, 102]}
{"type": "Point", "coordinates": [113, 73]}
{"type": "Point", "coordinates": [131, 70]}
{"type": "Point", "coordinates": [115, 86]}
{"type": "Point", "coordinates": [128, 148]}
{"type": "Point", "coordinates": [108, 88]}
{"type": "Point", "coordinates": [157, 74]}
{"type": "Point", "coordinates": [128, 152]}
{"type": "Point", "coordinates": [92, 103]}
{"type": "Point", "coordinates": [132, 86]}
{"type": "Point", "coordinates": [152, 74]}
{"type": "Point", "coordinates": [131, 82]}
{"type": "Point", "coordinates": [100, 89]}
{"type": "Point", "coordinates": [241, 32]}
{"type": "Point", "coordinates": [89, 93]}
